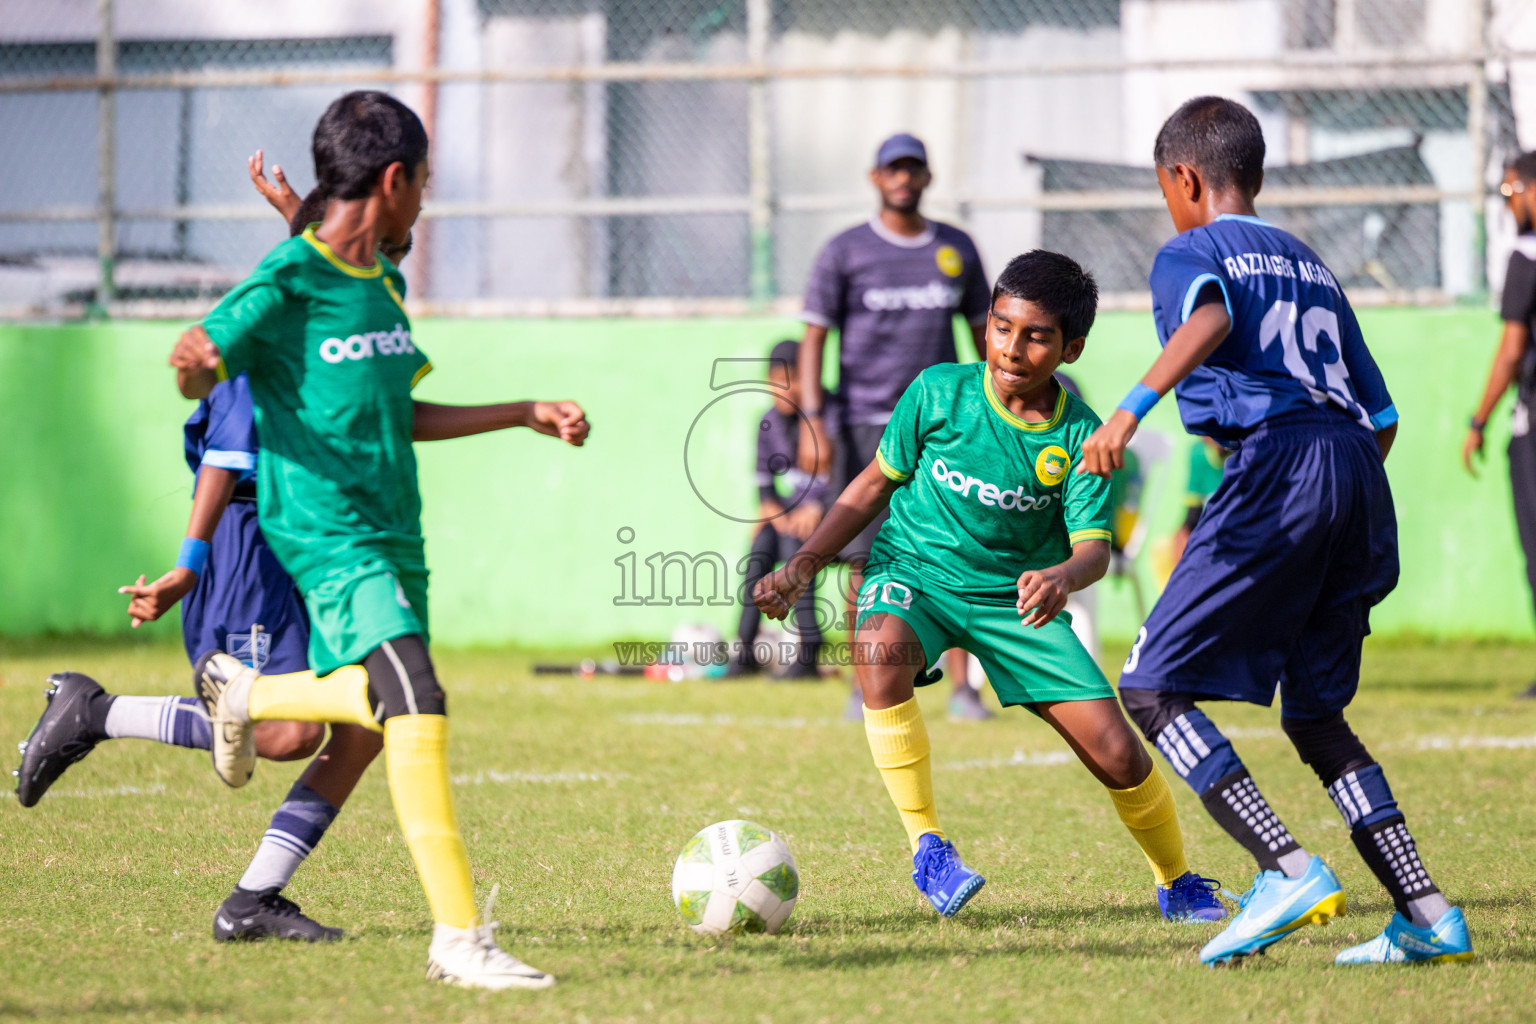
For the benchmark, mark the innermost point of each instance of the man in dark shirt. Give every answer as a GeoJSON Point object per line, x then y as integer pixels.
{"type": "Point", "coordinates": [891, 288]}
{"type": "Point", "coordinates": [784, 519]}
{"type": "Point", "coordinates": [1515, 363]}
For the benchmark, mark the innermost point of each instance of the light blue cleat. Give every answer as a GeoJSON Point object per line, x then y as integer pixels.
{"type": "Point", "coordinates": [1406, 943]}
{"type": "Point", "coordinates": [1191, 898]}
{"type": "Point", "coordinates": [940, 874]}
{"type": "Point", "coordinates": [1275, 907]}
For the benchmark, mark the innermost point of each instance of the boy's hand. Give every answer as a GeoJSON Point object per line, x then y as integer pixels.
{"type": "Point", "coordinates": [776, 593]}
{"type": "Point", "coordinates": [1104, 451]}
{"type": "Point", "coordinates": [195, 351]}
{"type": "Point", "coordinates": [1472, 446]}
{"type": "Point", "coordinates": [802, 520]}
{"type": "Point", "coordinates": [1043, 594]}
{"type": "Point", "coordinates": [150, 602]}
{"type": "Point", "coordinates": [564, 420]}
{"type": "Point", "coordinates": [282, 196]}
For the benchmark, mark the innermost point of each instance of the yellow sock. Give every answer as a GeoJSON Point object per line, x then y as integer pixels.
{"type": "Point", "coordinates": [416, 758]}
{"type": "Point", "coordinates": [1148, 811]}
{"type": "Point", "coordinates": [341, 696]}
{"type": "Point", "coordinates": [899, 742]}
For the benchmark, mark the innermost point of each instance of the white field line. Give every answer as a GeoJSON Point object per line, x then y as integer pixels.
{"type": "Point", "coordinates": [93, 794]}
{"type": "Point", "coordinates": [492, 777]}
{"type": "Point", "coordinates": [1018, 759]}
{"type": "Point", "coordinates": [1475, 742]}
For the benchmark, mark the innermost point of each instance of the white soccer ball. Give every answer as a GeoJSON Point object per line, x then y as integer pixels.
{"type": "Point", "coordinates": [735, 876]}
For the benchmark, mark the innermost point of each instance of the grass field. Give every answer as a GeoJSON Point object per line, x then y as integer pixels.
{"type": "Point", "coordinates": [575, 796]}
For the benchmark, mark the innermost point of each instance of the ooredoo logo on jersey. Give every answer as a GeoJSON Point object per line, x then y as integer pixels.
{"type": "Point", "coordinates": [1014, 499]}
{"type": "Point", "coordinates": [365, 346]}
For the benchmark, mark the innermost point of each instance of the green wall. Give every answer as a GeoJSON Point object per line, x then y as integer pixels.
{"type": "Point", "coordinates": [524, 533]}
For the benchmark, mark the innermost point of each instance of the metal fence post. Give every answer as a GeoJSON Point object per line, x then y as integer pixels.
{"type": "Point", "coordinates": [106, 160]}
{"type": "Point", "coordinates": [759, 151]}
{"type": "Point", "coordinates": [1477, 131]}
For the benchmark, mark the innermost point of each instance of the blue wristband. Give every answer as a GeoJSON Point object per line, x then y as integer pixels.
{"type": "Point", "coordinates": [194, 555]}
{"type": "Point", "coordinates": [1139, 401]}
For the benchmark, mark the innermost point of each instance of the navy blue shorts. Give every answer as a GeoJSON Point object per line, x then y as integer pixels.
{"type": "Point", "coordinates": [245, 603]}
{"type": "Point", "coordinates": [1280, 573]}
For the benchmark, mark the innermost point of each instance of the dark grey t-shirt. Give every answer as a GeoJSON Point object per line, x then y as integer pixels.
{"type": "Point", "coordinates": [893, 300]}
{"type": "Point", "coordinates": [778, 451]}
{"type": "Point", "coordinates": [1519, 305]}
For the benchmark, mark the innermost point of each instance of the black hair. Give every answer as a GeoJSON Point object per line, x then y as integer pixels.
{"type": "Point", "coordinates": [787, 354]}
{"type": "Point", "coordinates": [358, 136]}
{"type": "Point", "coordinates": [1218, 137]}
{"type": "Point", "coordinates": [1524, 167]}
{"type": "Point", "coordinates": [1057, 284]}
{"type": "Point", "coordinates": [310, 211]}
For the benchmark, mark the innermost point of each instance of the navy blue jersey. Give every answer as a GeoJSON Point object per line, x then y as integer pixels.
{"type": "Point", "coordinates": [1294, 343]}
{"type": "Point", "coordinates": [221, 432]}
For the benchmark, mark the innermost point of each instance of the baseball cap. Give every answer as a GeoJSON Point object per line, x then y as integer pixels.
{"type": "Point", "coordinates": [899, 147]}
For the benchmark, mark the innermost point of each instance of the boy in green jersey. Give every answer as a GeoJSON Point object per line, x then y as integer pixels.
{"type": "Point", "coordinates": [320, 331]}
{"type": "Point", "coordinates": [989, 527]}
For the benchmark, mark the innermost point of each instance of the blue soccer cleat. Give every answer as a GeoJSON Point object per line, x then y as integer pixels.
{"type": "Point", "coordinates": [1275, 907]}
{"type": "Point", "coordinates": [1191, 898]}
{"type": "Point", "coordinates": [1406, 943]}
{"type": "Point", "coordinates": [941, 876]}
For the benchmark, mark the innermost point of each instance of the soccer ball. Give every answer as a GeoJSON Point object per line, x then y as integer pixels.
{"type": "Point", "coordinates": [735, 876]}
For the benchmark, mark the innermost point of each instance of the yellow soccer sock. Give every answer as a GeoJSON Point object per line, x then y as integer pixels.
{"type": "Point", "coordinates": [1147, 810]}
{"type": "Point", "coordinates": [899, 742]}
{"type": "Point", "coordinates": [341, 696]}
{"type": "Point", "coordinates": [416, 758]}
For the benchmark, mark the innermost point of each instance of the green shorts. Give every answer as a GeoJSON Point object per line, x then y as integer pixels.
{"type": "Point", "coordinates": [1025, 665]}
{"type": "Point", "coordinates": [353, 610]}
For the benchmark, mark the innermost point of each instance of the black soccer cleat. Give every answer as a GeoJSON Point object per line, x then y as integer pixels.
{"type": "Point", "coordinates": [62, 736]}
{"type": "Point", "coordinates": [251, 916]}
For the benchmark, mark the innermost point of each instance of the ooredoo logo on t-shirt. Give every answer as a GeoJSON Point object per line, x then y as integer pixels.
{"type": "Point", "coordinates": [991, 495]}
{"type": "Point", "coordinates": [365, 346]}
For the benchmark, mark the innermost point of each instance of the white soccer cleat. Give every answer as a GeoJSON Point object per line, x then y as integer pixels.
{"type": "Point", "coordinates": [471, 958]}
{"type": "Point", "coordinates": [224, 688]}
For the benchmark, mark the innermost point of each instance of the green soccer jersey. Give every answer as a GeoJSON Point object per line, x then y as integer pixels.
{"type": "Point", "coordinates": [985, 495]}
{"type": "Point", "coordinates": [327, 349]}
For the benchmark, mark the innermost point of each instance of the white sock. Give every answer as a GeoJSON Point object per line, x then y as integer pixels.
{"type": "Point", "coordinates": [296, 830]}
{"type": "Point", "coordinates": [1426, 910]}
{"type": "Point", "coordinates": [176, 720]}
{"type": "Point", "coordinates": [1294, 863]}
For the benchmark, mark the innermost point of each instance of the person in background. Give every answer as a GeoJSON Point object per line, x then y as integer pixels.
{"type": "Point", "coordinates": [1207, 463]}
{"type": "Point", "coordinates": [784, 519]}
{"type": "Point", "coordinates": [891, 288]}
{"type": "Point", "coordinates": [1514, 364]}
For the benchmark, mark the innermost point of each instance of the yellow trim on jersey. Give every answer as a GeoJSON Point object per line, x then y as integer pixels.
{"type": "Point", "coordinates": [221, 371]}
{"type": "Point", "coordinates": [1095, 533]}
{"type": "Point", "coordinates": [1014, 421]}
{"type": "Point", "coordinates": [888, 469]}
{"type": "Point", "coordinates": [336, 261]}
{"type": "Point", "coordinates": [426, 368]}
{"type": "Point", "coordinates": [389, 286]}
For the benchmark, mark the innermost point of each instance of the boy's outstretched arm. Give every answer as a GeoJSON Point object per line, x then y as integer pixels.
{"type": "Point", "coordinates": [1199, 336]}
{"type": "Point", "coordinates": [1043, 593]}
{"type": "Point", "coordinates": [150, 601]}
{"type": "Point", "coordinates": [564, 420]}
{"type": "Point", "coordinates": [862, 500]}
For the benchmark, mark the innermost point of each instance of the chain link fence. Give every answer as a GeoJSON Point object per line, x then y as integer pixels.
{"type": "Point", "coordinates": [690, 156]}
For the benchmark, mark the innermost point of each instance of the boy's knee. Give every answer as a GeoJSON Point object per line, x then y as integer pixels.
{"type": "Point", "coordinates": [288, 741]}
{"type": "Point", "coordinates": [402, 681]}
{"type": "Point", "coordinates": [1327, 745]}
